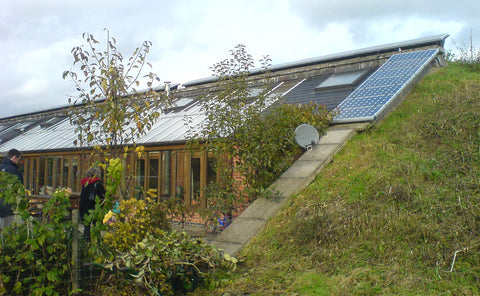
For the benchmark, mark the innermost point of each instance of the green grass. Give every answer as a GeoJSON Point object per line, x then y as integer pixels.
{"type": "Point", "coordinates": [386, 216]}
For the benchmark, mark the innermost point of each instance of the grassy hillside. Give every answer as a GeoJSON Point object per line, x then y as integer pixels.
{"type": "Point", "coordinates": [386, 216]}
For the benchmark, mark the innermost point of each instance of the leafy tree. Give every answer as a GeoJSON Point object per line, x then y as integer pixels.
{"type": "Point", "coordinates": [249, 130]}
{"type": "Point", "coordinates": [110, 113]}
{"type": "Point", "coordinates": [228, 107]}
{"type": "Point", "coordinates": [109, 110]}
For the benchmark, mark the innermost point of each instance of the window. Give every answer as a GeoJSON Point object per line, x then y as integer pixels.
{"type": "Point", "coordinates": [49, 172]}
{"type": "Point", "coordinates": [342, 79]}
{"type": "Point", "coordinates": [73, 180]}
{"type": "Point", "coordinates": [140, 175]}
{"type": "Point", "coordinates": [41, 175]}
{"type": "Point", "coordinates": [180, 104]}
{"type": "Point", "coordinates": [154, 168]}
{"type": "Point", "coordinates": [57, 173]}
{"type": "Point", "coordinates": [51, 121]}
{"type": "Point", "coordinates": [65, 171]}
{"type": "Point", "coordinates": [178, 161]}
{"type": "Point", "coordinates": [153, 172]}
{"type": "Point", "coordinates": [166, 173]}
{"type": "Point", "coordinates": [27, 177]}
{"type": "Point", "coordinates": [195, 171]}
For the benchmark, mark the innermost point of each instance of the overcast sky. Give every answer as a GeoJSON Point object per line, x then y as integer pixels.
{"type": "Point", "coordinates": [188, 37]}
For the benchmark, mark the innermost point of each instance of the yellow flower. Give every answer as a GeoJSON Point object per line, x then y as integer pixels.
{"type": "Point", "coordinates": [107, 217]}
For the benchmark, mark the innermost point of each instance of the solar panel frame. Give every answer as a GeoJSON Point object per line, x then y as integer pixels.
{"type": "Point", "coordinates": [380, 89]}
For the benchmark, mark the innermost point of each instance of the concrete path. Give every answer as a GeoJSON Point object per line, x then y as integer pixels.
{"type": "Point", "coordinates": [293, 181]}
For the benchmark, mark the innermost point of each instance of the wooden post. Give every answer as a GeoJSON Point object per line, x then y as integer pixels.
{"type": "Point", "coordinates": [75, 257]}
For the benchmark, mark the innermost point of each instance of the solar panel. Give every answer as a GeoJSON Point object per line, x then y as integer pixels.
{"type": "Point", "coordinates": [380, 89]}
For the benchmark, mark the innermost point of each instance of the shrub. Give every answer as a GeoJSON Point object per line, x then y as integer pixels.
{"type": "Point", "coordinates": [137, 219]}
{"type": "Point", "coordinates": [35, 255]}
{"type": "Point", "coordinates": [143, 253]}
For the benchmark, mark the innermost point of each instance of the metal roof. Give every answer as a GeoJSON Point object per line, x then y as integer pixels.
{"type": "Point", "coordinates": [438, 40]}
{"type": "Point", "coordinates": [52, 131]}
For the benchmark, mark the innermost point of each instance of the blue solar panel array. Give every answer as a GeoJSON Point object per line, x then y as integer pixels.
{"type": "Point", "coordinates": [368, 101]}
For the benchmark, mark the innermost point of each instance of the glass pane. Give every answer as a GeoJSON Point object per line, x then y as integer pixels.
{"type": "Point", "coordinates": [166, 173]}
{"type": "Point", "coordinates": [49, 181]}
{"type": "Point", "coordinates": [50, 175]}
{"type": "Point", "coordinates": [342, 79]}
{"type": "Point", "coordinates": [41, 175]}
{"type": "Point", "coordinates": [73, 180]}
{"type": "Point", "coordinates": [26, 173]}
{"type": "Point", "coordinates": [153, 174]}
{"type": "Point", "coordinates": [65, 169]}
{"type": "Point", "coordinates": [34, 163]}
{"type": "Point", "coordinates": [195, 180]}
{"type": "Point", "coordinates": [179, 159]}
{"type": "Point", "coordinates": [57, 172]}
{"type": "Point", "coordinates": [140, 174]}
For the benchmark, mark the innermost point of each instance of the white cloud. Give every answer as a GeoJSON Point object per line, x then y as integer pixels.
{"type": "Point", "coordinates": [32, 85]}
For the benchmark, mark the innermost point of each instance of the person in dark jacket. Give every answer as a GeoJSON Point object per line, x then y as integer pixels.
{"type": "Point", "coordinates": [92, 186]}
{"type": "Point", "coordinates": [10, 164]}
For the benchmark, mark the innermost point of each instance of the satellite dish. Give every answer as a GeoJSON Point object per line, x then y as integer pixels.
{"type": "Point", "coordinates": [306, 136]}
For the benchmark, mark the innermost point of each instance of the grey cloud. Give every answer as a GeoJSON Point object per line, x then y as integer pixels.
{"type": "Point", "coordinates": [321, 13]}
{"type": "Point", "coordinates": [187, 36]}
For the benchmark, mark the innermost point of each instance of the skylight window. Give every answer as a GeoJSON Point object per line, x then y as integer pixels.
{"type": "Point", "coordinates": [51, 121]}
{"type": "Point", "coordinates": [180, 104]}
{"type": "Point", "coordinates": [342, 79]}
{"type": "Point", "coordinates": [22, 126]}
{"type": "Point", "coordinates": [183, 102]}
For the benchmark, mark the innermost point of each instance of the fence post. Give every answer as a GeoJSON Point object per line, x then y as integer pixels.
{"type": "Point", "coordinates": [75, 257]}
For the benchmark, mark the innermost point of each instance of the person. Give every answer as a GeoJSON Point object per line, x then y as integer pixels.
{"type": "Point", "coordinates": [10, 164]}
{"type": "Point", "coordinates": [92, 186]}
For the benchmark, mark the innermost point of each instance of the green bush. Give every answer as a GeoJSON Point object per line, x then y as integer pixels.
{"type": "Point", "coordinates": [163, 263]}
{"type": "Point", "coordinates": [153, 258]}
{"type": "Point", "coordinates": [137, 252]}
{"type": "Point", "coordinates": [35, 256]}
{"type": "Point", "coordinates": [137, 219]}
{"type": "Point", "coordinates": [137, 249]}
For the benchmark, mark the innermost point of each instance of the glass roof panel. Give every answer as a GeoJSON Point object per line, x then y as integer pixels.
{"type": "Point", "coordinates": [342, 79]}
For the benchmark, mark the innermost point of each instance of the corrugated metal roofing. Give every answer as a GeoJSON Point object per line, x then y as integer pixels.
{"type": "Point", "coordinates": [56, 133]}
{"type": "Point", "coordinates": [59, 136]}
